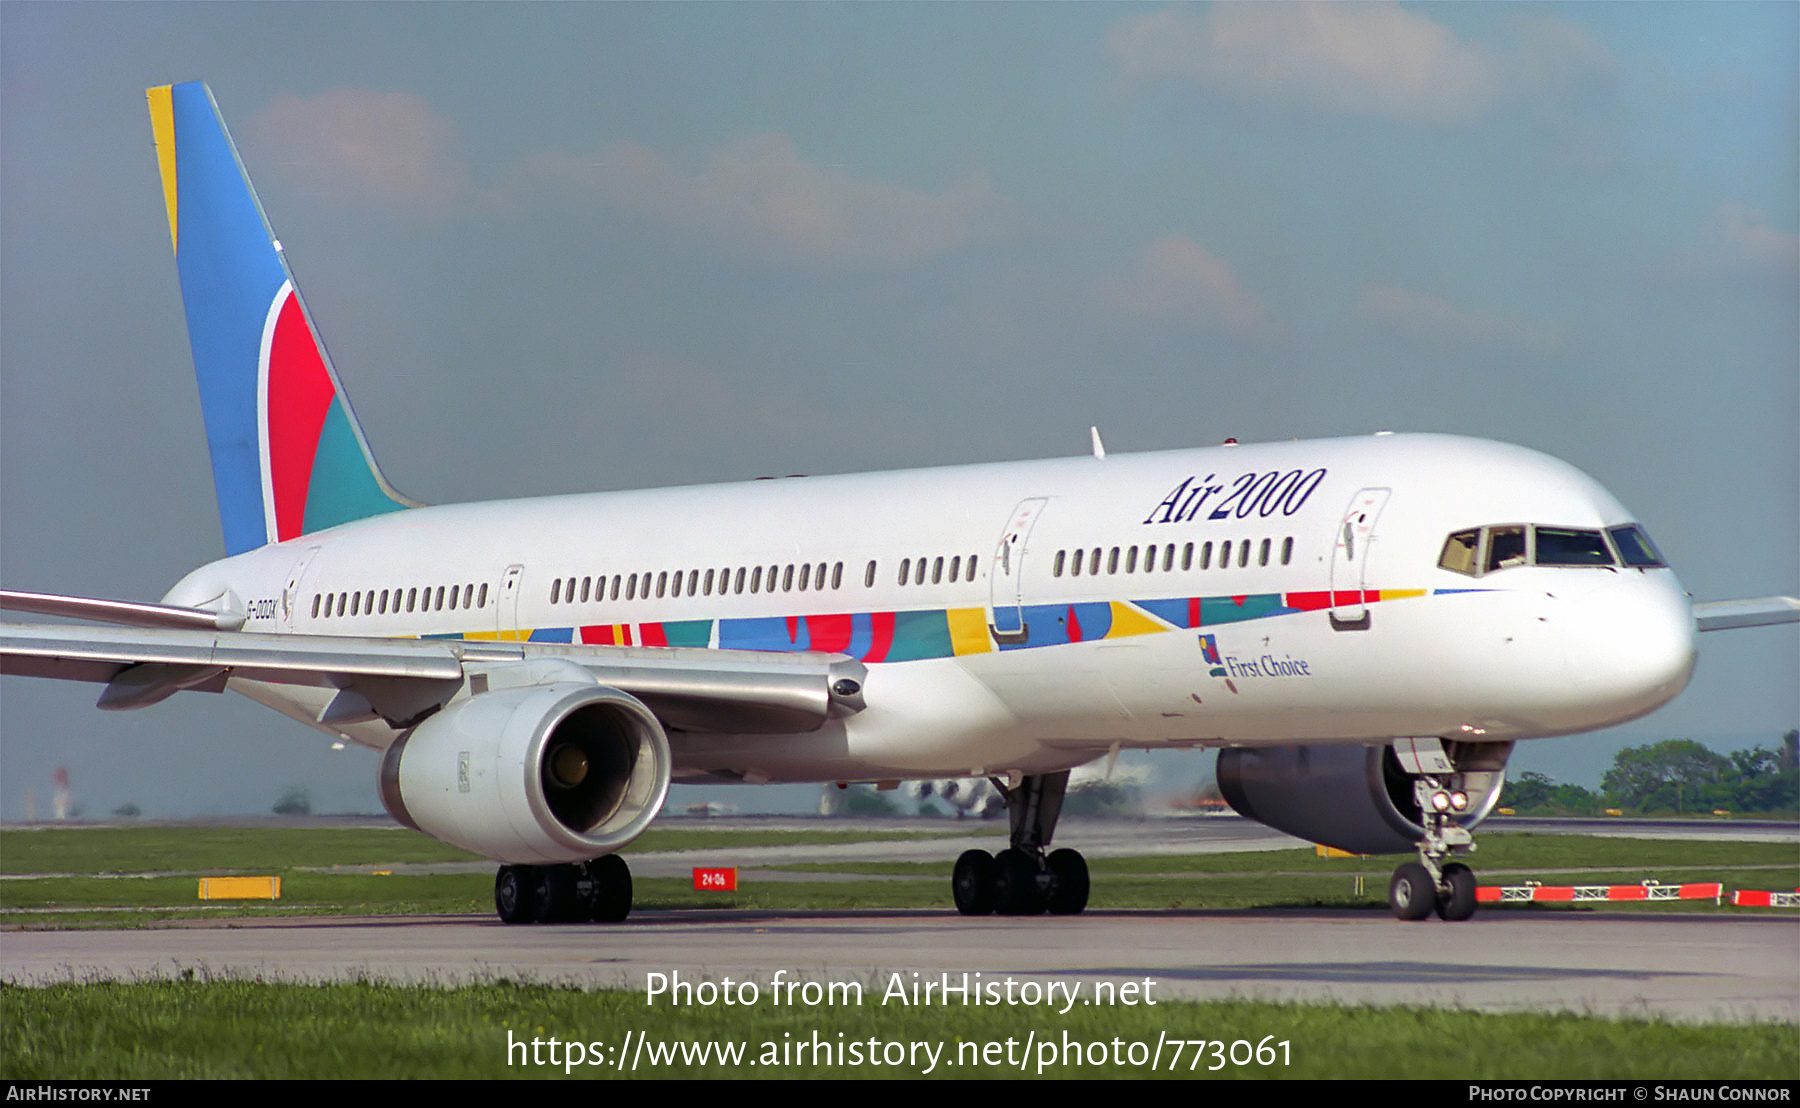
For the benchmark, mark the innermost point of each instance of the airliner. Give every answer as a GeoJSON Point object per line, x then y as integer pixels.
{"type": "Point", "coordinates": [1364, 627]}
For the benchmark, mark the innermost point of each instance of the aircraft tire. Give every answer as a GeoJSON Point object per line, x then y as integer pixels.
{"type": "Point", "coordinates": [555, 898]}
{"type": "Point", "coordinates": [611, 899]}
{"type": "Point", "coordinates": [1015, 886]}
{"type": "Point", "coordinates": [972, 883]}
{"type": "Point", "coordinates": [1456, 900]}
{"type": "Point", "coordinates": [514, 887]}
{"type": "Point", "coordinates": [1412, 894]}
{"type": "Point", "coordinates": [1068, 882]}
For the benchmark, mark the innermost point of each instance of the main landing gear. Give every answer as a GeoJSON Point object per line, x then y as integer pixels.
{"type": "Point", "coordinates": [598, 890]}
{"type": "Point", "coordinates": [1023, 880]}
{"type": "Point", "coordinates": [1431, 883]}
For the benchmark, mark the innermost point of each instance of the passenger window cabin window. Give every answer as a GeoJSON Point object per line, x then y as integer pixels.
{"type": "Point", "coordinates": [805, 576]}
{"type": "Point", "coordinates": [937, 570]}
{"type": "Point", "coordinates": [315, 614]}
{"type": "Point", "coordinates": [869, 576]}
{"type": "Point", "coordinates": [1075, 568]}
{"type": "Point", "coordinates": [1131, 554]}
{"type": "Point", "coordinates": [837, 575]}
{"type": "Point", "coordinates": [1187, 558]}
{"type": "Point", "coordinates": [787, 579]}
{"type": "Point", "coordinates": [1112, 561]}
{"type": "Point", "coordinates": [905, 570]}
{"type": "Point", "coordinates": [555, 589]}
{"type": "Point", "coordinates": [1287, 550]}
{"type": "Point", "coordinates": [1061, 556]}
{"type": "Point", "coordinates": [355, 603]}
{"type": "Point", "coordinates": [1262, 553]}
{"type": "Point", "coordinates": [756, 579]}
{"type": "Point", "coordinates": [1206, 556]}
{"type": "Point", "coordinates": [662, 583]}
{"type": "Point", "coordinates": [919, 572]}
{"type": "Point", "coordinates": [1244, 554]}
{"type": "Point", "coordinates": [971, 564]}
{"type": "Point", "coordinates": [739, 587]}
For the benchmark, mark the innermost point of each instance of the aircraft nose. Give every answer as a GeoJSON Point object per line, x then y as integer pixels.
{"type": "Point", "coordinates": [1629, 644]}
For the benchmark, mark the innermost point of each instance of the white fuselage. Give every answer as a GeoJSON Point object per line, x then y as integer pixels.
{"type": "Point", "coordinates": [1256, 594]}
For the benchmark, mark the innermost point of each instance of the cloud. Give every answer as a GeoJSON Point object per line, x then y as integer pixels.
{"type": "Point", "coordinates": [1437, 324]}
{"type": "Point", "coordinates": [1736, 243]}
{"type": "Point", "coordinates": [1361, 60]}
{"type": "Point", "coordinates": [1177, 280]}
{"type": "Point", "coordinates": [356, 144]}
{"type": "Point", "coordinates": [756, 190]}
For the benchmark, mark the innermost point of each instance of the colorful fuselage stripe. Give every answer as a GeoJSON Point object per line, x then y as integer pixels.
{"type": "Point", "coordinates": [951, 632]}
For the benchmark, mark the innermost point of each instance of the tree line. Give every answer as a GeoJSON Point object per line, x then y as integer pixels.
{"type": "Point", "coordinates": [1678, 776]}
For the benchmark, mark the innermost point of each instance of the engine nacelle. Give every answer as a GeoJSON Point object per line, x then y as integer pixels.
{"type": "Point", "coordinates": [1356, 798]}
{"type": "Point", "coordinates": [545, 773]}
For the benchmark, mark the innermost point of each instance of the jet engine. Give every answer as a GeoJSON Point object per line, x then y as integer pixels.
{"type": "Point", "coordinates": [1356, 798]}
{"type": "Point", "coordinates": [557, 772]}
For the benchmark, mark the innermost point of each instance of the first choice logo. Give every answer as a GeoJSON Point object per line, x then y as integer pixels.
{"type": "Point", "coordinates": [1255, 494]}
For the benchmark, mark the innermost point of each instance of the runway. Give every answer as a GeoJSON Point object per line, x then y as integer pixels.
{"type": "Point", "coordinates": [1686, 968]}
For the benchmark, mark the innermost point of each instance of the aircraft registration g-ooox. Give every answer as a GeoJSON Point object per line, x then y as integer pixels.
{"type": "Point", "coordinates": [1365, 626]}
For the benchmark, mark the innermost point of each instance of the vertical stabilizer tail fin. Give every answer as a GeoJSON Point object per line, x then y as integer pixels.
{"type": "Point", "coordinates": [288, 456]}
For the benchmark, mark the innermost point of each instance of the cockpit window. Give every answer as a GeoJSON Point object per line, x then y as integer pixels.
{"type": "Point", "coordinates": [1506, 548]}
{"type": "Point", "coordinates": [1461, 552]}
{"type": "Point", "coordinates": [1482, 550]}
{"type": "Point", "coordinates": [1559, 546]}
{"type": "Point", "coordinates": [1635, 547]}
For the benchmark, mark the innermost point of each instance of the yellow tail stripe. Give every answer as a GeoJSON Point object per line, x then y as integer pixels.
{"type": "Point", "coordinates": [162, 123]}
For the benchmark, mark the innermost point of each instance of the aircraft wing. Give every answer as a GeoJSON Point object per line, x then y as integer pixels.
{"type": "Point", "coordinates": [403, 680]}
{"type": "Point", "coordinates": [1725, 615]}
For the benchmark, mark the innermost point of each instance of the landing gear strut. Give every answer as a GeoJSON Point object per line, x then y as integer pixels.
{"type": "Point", "coordinates": [1433, 884]}
{"type": "Point", "coordinates": [598, 890]}
{"type": "Point", "coordinates": [1022, 880]}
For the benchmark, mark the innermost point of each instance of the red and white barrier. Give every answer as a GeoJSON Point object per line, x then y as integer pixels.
{"type": "Point", "coordinates": [1749, 898]}
{"type": "Point", "coordinates": [1649, 890]}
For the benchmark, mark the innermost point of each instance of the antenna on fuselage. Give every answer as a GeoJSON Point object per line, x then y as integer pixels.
{"type": "Point", "coordinates": [1099, 447]}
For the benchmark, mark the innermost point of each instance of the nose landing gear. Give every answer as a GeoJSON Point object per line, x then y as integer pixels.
{"type": "Point", "coordinates": [1431, 883]}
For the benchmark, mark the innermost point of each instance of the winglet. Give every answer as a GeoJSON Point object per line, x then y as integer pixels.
{"type": "Point", "coordinates": [288, 456]}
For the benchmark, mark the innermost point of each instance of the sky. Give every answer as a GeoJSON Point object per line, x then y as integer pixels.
{"type": "Point", "coordinates": [570, 247]}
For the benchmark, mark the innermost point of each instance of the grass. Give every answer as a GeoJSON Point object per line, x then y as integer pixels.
{"type": "Point", "coordinates": [248, 1029]}
{"type": "Point", "coordinates": [162, 849]}
{"type": "Point", "coordinates": [107, 894]}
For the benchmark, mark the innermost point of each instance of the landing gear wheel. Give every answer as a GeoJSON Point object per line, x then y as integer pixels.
{"type": "Point", "coordinates": [1016, 891]}
{"type": "Point", "coordinates": [554, 897]}
{"type": "Point", "coordinates": [514, 889]}
{"type": "Point", "coordinates": [1456, 899]}
{"type": "Point", "coordinates": [1412, 894]}
{"type": "Point", "coordinates": [972, 883]}
{"type": "Point", "coordinates": [1068, 882]}
{"type": "Point", "coordinates": [610, 900]}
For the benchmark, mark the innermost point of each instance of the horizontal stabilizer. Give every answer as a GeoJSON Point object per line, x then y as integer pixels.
{"type": "Point", "coordinates": [128, 612]}
{"type": "Point", "coordinates": [1764, 611]}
